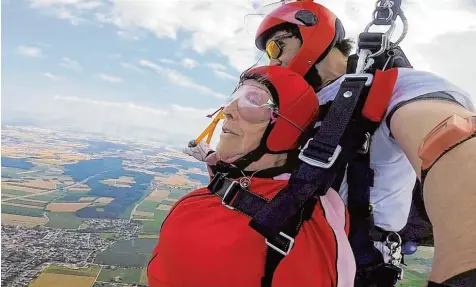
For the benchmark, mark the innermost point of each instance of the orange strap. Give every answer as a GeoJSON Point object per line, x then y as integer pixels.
{"type": "Point", "coordinates": [208, 132]}
{"type": "Point", "coordinates": [444, 137]}
{"type": "Point", "coordinates": [380, 94]}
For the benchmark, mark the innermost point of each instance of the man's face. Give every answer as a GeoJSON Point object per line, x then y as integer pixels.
{"type": "Point", "coordinates": [289, 44]}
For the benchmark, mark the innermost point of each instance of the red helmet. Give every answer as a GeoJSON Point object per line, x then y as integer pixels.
{"type": "Point", "coordinates": [297, 105]}
{"type": "Point", "coordinates": [320, 29]}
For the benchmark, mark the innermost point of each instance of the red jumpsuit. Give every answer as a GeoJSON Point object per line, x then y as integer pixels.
{"type": "Point", "coordinates": [203, 243]}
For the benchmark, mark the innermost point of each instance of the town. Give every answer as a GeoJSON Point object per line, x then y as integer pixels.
{"type": "Point", "coordinates": [27, 251]}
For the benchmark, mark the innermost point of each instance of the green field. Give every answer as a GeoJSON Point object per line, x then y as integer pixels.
{"type": "Point", "coordinates": [123, 275]}
{"type": "Point", "coordinates": [22, 211]}
{"type": "Point", "coordinates": [11, 172]}
{"type": "Point", "coordinates": [89, 272]}
{"type": "Point", "coordinates": [14, 192]}
{"type": "Point", "coordinates": [177, 193]}
{"type": "Point", "coordinates": [46, 197]}
{"type": "Point", "coordinates": [128, 253]}
{"type": "Point", "coordinates": [168, 202]}
{"type": "Point", "coordinates": [64, 220]}
{"type": "Point", "coordinates": [143, 277]}
{"type": "Point", "coordinates": [25, 202]}
{"type": "Point", "coordinates": [153, 227]}
{"type": "Point", "coordinates": [412, 279]}
{"type": "Point", "coordinates": [107, 235]}
{"type": "Point", "coordinates": [148, 206]}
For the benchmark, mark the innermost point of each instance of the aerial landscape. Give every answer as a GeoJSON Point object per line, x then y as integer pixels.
{"type": "Point", "coordinates": [83, 210]}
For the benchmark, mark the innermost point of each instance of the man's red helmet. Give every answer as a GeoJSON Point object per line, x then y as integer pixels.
{"type": "Point", "coordinates": [320, 29]}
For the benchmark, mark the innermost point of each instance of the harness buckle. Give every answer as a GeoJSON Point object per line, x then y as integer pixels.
{"type": "Point", "coordinates": [318, 163]}
{"type": "Point", "coordinates": [289, 244]}
{"type": "Point", "coordinates": [225, 200]}
{"type": "Point", "coordinates": [368, 82]}
{"type": "Point", "coordinates": [366, 146]}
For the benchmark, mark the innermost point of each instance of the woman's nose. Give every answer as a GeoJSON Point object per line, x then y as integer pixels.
{"type": "Point", "coordinates": [230, 111]}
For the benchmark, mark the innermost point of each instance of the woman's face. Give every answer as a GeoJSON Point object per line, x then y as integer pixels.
{"type": "Point", "coordinates": [247, 116]}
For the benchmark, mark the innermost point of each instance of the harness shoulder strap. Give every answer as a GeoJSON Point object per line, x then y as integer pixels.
{"type": "Point", "coordinates": [240, 199]}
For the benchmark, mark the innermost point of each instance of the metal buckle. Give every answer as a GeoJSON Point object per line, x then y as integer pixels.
{"type": "Point", "coordinates": [223, 200]}
{"type": "Point", "coordinates": [318, 163]}
{"type": "Point", "coordinates": [366, 146]}
{"type": "Point", "coordinates": [369, 77]}
{"type": "Point", "coordinates": [283, 252]}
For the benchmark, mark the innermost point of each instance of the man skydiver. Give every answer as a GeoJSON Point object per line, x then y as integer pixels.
{"type": "Point", "coordinates": [420, 102]}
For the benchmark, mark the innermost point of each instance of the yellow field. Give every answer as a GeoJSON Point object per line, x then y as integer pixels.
{"type": "Point", "coordinates": [163, 207]}
{"type": "Point", "coordinates": [158, 195]}
{"type": "Point", "coordinates": [22, 205]}
{"type": "Point", "coordinates": [62, 280]}
{"type": "Point", "coordinates": [123, 181]}
{"type": "Point", "coordinates": [148, 236]}
{"type": "Point", "coordinates": [66, 207]}
{"type": "Point", "coordinates": [80, 188]}
{"type": "Point", "coordinates": [28, 221]}
{"type": "Point", "coordinates": [40, 183]}
{"type": "Point", "coordinates": [87, 199]}
{"type": "Point", "coordinates": [175, 180]}
{"type": "Point", "coordinates": [104, 199]}
{"type": "Point", "coordinates": [144, 213]}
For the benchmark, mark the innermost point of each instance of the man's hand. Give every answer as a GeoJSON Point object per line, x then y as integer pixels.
{"type": "Point", "coordinates": [200, 151]}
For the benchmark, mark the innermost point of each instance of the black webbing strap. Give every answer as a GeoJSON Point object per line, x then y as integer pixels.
{"type": "Point", "coordinates": [248, 203]}
{"type": "Point", "coordinates": [321, 159]}
{"type": "Point", "coordinates": [234, 197]}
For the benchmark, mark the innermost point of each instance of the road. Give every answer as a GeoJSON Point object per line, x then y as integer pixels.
{"type": "Point", "coordinates": [56, 189]}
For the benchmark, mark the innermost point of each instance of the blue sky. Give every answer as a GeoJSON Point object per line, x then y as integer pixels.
{"type": "Point", "coordinates": [154, 69]}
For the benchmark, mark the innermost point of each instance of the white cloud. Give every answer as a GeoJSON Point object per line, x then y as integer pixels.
{"type": "Point", "coordinates": [181, 80]}
{"type": "Point", "coordinates": [110, 104]}
{"type": "Point", "coordinates": [127, 35]}
{"type": "Point", "coordinates": [189, 63]}
{"type": "Point", "coordinates": [40, 3]}
{"type": "Point", "coordinates": [219, 71]}
{"type": "Point", "coordinates": [53, 77]}
{"type": "Point", "coordinates": [131, 67]}
{"type": "Point", "coordinates": [234, 38]}
{"type": "Point", "coordinates": [71, 64]}
{"type": "Point", "coordinates": [88, 5]}
{"type": "Point", "coordinates": [29, 51]}
{"type": "Point", "coordinates": [171, 123]}
{"type": "Point", "coordinates": [225, 75]}
{"type": "Point", "coordinates": [216, 66]}
{"type": "Point", "coordinates": [109, 78]}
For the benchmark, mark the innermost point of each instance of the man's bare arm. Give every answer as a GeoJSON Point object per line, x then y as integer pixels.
{"type": "Point", "coordinates": [449, 188]}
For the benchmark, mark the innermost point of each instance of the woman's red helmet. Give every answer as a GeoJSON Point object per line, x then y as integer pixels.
{"type": "Point", "coordinates": [320, 29]}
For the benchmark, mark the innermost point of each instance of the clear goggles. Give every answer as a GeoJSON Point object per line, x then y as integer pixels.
{"type": "Point", "coordinates": [254, 104]}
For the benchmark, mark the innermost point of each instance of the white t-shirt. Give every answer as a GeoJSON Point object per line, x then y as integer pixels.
{"type": "Point", "coordinates": [395, 177]}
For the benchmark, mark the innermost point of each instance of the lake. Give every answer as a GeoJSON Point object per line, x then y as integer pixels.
{"type": "Point", "coordinates": [124, 197]}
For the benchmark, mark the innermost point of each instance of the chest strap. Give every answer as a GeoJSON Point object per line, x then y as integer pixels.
{"type": "Point", "coordinates": [242, 200]}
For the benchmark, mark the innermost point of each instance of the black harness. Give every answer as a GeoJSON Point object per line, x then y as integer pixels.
{"type": "Point", "coordinates": [341, 142]}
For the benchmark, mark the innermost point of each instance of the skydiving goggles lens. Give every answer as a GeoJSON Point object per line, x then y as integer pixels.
{"type": "Point", "coordinates": [254, 104]}
{"type": "Point", "coordinates": [274, 48]}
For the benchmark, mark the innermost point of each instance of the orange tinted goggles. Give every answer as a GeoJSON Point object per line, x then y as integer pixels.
{"type": "Point", "coordinates": [274, 48]}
